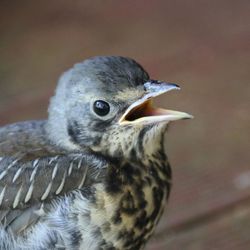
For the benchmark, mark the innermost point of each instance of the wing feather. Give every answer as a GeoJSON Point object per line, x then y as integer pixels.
{"type": "Point", "coordinates": [29, 186]}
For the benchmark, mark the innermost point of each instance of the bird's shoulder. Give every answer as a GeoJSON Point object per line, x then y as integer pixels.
{"type": "Point", "coordinates": [27, 139]}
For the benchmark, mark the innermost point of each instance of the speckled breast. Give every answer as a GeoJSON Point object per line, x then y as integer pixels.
{"type": "Point", "coordinates": [130, 203]}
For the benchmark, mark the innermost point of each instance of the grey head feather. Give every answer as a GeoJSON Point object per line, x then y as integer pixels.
{"type": "Point", "coordinates": [72, 123]}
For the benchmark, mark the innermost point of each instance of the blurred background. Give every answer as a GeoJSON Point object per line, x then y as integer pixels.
{"type": "Point", "coordinates": [202, 45]}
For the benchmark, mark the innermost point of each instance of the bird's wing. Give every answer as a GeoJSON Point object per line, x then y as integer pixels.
{"type": "Point", "coordinates": [27, 186]}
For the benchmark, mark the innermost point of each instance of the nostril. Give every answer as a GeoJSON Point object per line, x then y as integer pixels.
{"type": "Point", "coordinates": [155, 82]}
{"type": "Point", "coordinates": [168, 83]}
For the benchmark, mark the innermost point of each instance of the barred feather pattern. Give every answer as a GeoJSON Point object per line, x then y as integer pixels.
{"type": "Point", "coordinates": [26, 192]}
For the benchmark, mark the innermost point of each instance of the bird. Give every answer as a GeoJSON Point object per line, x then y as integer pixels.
{"type": "Point", "coordinates": [94, 175]}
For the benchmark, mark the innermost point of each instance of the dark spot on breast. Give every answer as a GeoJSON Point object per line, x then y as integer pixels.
{"type": "Point", "coordinates": [158, 196]}
{"type": "Point", "coordinates": [106, 227]}
{"type": "Point", "coordinates": [142, 220]}
{"type": "Point", "coordinates": [139, 242]}
{"type": "Point", "coordinates": [129, 173]}
{"type": "Point", "coordinates": [167, 169]}
{"type": "Point", "coordinates": [140, 196]}
{"type": "Point", "coordinates": [128, 204]}
{"type": "Point", "coordinates": [134, 242]}
{"type": "Point", "coordinates": [129, 238]}
{"type": "Point", "coordinates": [154, 174]}
{"type": "Point", "coordinates": [113, 182]}
{"type": "Point", "coordinates": [117, 219]}
{"type": "Point", "coordinates": [148, 180]}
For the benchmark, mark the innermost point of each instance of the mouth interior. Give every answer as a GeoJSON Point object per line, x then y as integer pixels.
{"type": "Point", "coordinates": [143, 110]}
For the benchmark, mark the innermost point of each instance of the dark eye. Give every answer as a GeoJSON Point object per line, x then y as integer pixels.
{"type": "Point", "coordinates": [101, 108]}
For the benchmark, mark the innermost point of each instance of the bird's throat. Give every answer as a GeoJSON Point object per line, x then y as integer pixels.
{"type": "Point", "coordinates": [133, 142]}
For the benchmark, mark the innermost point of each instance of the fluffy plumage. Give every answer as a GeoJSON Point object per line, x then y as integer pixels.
{"type": "Point", "coordinates": [81, 179]}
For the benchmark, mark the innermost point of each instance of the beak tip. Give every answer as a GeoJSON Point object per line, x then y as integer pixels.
{"type": "Point", "coordinates": [175, 85]}
{"type": "Point", "coordinates": [187, 116]}
{"type": "Point", "coordinates": [190, 116]}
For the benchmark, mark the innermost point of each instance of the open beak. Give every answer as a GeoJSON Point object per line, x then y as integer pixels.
{"type": "Point", "coordinates": [142, 111]}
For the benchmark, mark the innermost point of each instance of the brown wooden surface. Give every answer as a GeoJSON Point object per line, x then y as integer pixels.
{"type": "Point", "coordinates": [202, 45]}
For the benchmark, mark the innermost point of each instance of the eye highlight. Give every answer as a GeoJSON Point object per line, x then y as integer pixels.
{"type": "Point", "coordinates": [101, 108]}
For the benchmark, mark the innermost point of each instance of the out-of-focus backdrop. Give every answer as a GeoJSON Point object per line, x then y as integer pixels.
{"type": "Point", "coordinates": [202, 45]}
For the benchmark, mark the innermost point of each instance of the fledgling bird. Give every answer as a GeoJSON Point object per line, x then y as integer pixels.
{"type": "Point", "coordinates": [95, 174]}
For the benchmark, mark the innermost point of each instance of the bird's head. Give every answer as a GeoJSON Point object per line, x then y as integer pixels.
{"type": "Point", "coordinates": [106, 104]}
